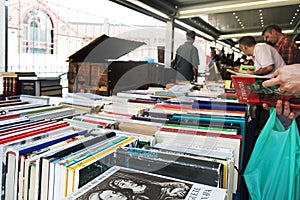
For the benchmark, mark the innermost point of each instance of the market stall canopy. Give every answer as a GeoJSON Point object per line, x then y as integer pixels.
{"type": "Point", "coordinates": [224, 20]}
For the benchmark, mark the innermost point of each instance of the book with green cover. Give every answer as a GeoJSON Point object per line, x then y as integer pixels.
{"type": "Point", "coordinates": [244, 68]}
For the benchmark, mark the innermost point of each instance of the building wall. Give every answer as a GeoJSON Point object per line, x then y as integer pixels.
{"type": "Point", "coordinates": [69, 37]}
{"type": "Point", "coordinates": [2, 35]}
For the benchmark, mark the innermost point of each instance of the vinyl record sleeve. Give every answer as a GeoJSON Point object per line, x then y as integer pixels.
{"type": "Point", "coordinates": [143, 185]}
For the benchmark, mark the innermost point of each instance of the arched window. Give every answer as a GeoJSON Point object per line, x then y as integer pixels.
{"type": "Point", "coordinates": [37, 33]}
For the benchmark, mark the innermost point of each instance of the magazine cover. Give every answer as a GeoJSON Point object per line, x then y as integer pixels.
{"type": "Point", "coordinates": [127, 184]}
{"type": "Point", "coordinates": [249, 90]}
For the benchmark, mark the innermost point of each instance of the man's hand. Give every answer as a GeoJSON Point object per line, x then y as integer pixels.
{"type": "Point", "coordinates": [283, 109]}
{"type": "Point", "coordinates": [288, 77]}
{"type": "Point", "coordinates": [284, 112]}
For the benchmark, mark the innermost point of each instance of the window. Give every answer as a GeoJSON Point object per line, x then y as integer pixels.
{"type": "Point", "coordinates": [37, 33]}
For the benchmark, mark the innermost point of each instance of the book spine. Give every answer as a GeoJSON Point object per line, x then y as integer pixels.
{"type": "Point", "coordinates": [9, 116]}
{"type": "Point", "coordinates": [21, 178]}
{"type": "Point", "coordinates": [32, 180]}
{"type": "Point", "coordinates": [218, 106]}
{"type": "Point", "coordinates": [11, 167]}
{"type": "Point", "coordinates": [4, 87]}
{"type": "Point", "coordinates": [199, 132]}
{"type": "Point", "coordinates": [14, 86]}
{"type": "Point", "coordinates": [32, 133]}
{"type": "Point", "coordinates": [103, 123]}
{"type": "Point", "coordinates": [95, 151]}
{"type": "Point", "coordinates": [23, 127]}
{"type": "Point", "coordinates": [96, 157]}
{"type": "Point", "coordinates": [51, 143]}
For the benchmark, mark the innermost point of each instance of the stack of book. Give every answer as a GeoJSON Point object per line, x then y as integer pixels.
{"type": "Point", "coordinates": [71, 168]}
{"type": "Point", "coordinates": [22, 132]}
{"type": "Point", "coordinates": [4, 104]}
{"type": "Point", "coordinates": [214, 128]}
{"type": "Point", "coordinates": [46, 159]}
{"type": "Point", "coordinates": [93, 121]}
{"type": "Point", "coordinates": [84, 102]}
{"type": "Point", "coordinates": [126, 108]}
{"type": "Point", "coordinates": [11, 83]}
{"type": "Point", "coordinates": [208, 141]}
{"type": "Point", "coordinates": [40, 112]}
{"type": "Point", "coordinates": [162, 112]}
{"type": "Point", "coordinates": [199, 143]}
{"type": "Point", "coordinates": [41, 86]}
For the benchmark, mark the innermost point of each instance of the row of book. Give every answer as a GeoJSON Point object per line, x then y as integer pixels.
{"type": "Point", "coordinates": [183, 135]}
{"type": "Point", "coordinates": [216, 143]}
{"type": "Point", "coordinates": [17, 83]}
{"type": "Point", "coordinates": [22, 123]}
{"type": "Point", "coordinates": [49, 158]}
{"type": "Point", "coordinates": [195, 139]}
{"type": "Point", "coordinates": [11, 83]}
{"type": "Point", "coordinates": [218, 136]}
{"type": "Point", "coordinates": [187, 167]}
{"type": "Point", "coordinates": [199, 125]}
{"type": "Point", "coordinates": [32, 136]}
{"type": "Point", "coordinates": [41, 86]}
{"type": "Point", "coordinates": [106, 122]}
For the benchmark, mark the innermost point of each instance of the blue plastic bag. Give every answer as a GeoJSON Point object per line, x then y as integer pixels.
{"type": "Point", "coordinates": [273, 168]}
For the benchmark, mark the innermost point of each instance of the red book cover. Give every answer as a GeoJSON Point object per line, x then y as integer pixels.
{"type": "Point", "coordinates": [41, 130]}
{"type": "Point", "coordinates": [9, 116]}
{"type": "Point", "coordinates": [249, 90]}
{"type": "Point", "coordinates": [96, 122]}
{"type": "Point", "coordinates": [25, 127]}
{"type": "Point", "coordinates": [173, 106]}
{"type": "Point", "coordinates": [16, 128]}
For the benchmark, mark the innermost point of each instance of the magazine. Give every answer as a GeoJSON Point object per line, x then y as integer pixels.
{"type": "Point", "coordinates": [249, 90]}
{"type": "Point", "coordinates": [244, 68]}
{"type": "Point", "coordinates": [123, 183]}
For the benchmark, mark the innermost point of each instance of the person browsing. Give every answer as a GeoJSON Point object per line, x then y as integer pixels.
{"type": "Point", "coordinates": [284, 44]}
{"type": "Point", "coordinates": [266, 58]}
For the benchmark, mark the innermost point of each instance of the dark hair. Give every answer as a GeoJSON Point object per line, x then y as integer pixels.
{"type": "Point", "coordinates": [213, 50]}
{"type": "Point", "coordinates": [247, 41]}
{"type": "Point", "coordinates": [244, 56]}
{"type": "Point", "coordinates": [190, 35]}
{"type": "Point", "coordinates": [270, 28]}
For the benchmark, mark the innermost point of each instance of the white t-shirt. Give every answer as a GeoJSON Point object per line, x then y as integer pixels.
{"type": "Point", "coordinates": [265, 55]}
